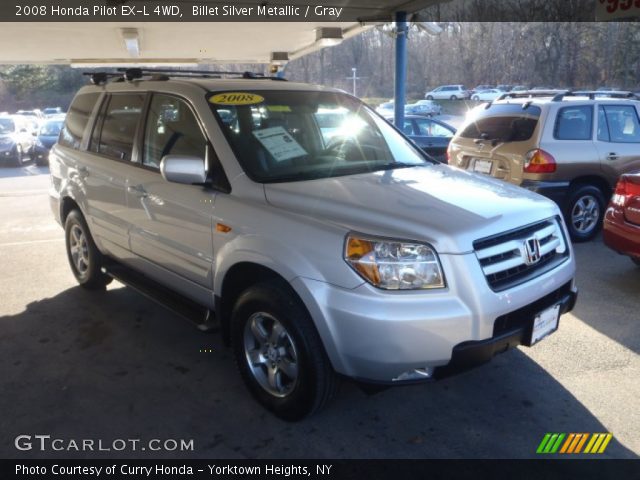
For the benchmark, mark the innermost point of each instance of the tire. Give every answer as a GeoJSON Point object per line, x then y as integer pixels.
{"type": "Point", "coordinates": [453, 97]}
{"type": "Point", "coordinates": [429, 97]}
{"type": "Point", "coordinates": [475, 97]}
{"type": "Point", "coordinates": [84, 257]}
{"type": "Point", "coordinates": [583, 212]}
{"type": "Point", "coordinates": [260, 311]}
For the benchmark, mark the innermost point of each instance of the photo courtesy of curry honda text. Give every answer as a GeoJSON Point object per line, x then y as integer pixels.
{"type": "Point", "coordinates": [318, 253]}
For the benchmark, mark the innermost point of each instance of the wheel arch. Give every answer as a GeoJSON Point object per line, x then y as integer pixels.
{"type": "Point", "coordinates": [593, 180]}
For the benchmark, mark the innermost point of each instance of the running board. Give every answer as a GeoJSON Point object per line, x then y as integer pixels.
{"type": "Point", "coordinates": [201, 316]}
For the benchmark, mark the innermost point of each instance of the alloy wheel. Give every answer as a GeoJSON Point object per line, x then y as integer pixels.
{"type": "Point", "coordinates": [585, 214]}
{"type": "Point", "coordinates": [79, 249]}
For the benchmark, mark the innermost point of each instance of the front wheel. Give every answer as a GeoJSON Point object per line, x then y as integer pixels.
{"type": "Point", "coordinates": [84, 257]}
{"type": "Point", "coordinates": [453, 97]}
{"type": "Point", "coordinates": [475, 97]}
{"type": "Point", "coordinates": [279, 353]}
{"type": "Point", "coordinates": [583, 212]}
{"type": "Point", "coordinates": [429, 97]}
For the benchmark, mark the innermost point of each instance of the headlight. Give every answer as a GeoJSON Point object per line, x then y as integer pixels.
{"type": "Point", "coordinates": [394, 264]}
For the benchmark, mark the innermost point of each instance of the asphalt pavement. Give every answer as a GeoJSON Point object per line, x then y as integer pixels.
{"type": "Point", "coordinates": [113, 365]}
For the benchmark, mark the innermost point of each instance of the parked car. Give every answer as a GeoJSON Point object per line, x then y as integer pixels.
{"type": "Point", "coordinates": [487, 94]}
{"type": "Point", "coordinates": [480, 88]}
{"type": "Point", "coordinates": [448, 92]}
{"type": "Point", "coordinates": [423, 107]}
{"type": "Point", "coordinates": [47, 135]}
{"type": "Point", "coordinates": [385, 108]}
{"type": "Point", "coordinates": [50, 111]}
{"type": "Point", "coordinates": [433, 136]}
{"type": "Point", "coordinates": [355, 257]}
{"type": "Point", "coordinates": [519, 88]}
{"type": "Point", "coordinates": [15, 140]}
{"type": "Point", "coordinates": [622, 218]}
{"type": "Point", "coordinates": [504, 87]}
{"type": "Point", "coordinates": [571, 149]}
{"type": "Point", "coordinates": [36, 113]}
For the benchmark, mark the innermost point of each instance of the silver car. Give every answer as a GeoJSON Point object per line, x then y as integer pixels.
{"type": "Point", "coordinates": [317, 254]}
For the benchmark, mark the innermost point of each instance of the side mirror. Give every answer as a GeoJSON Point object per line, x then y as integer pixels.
{"type": "Point", "coordinates": [183, 169]}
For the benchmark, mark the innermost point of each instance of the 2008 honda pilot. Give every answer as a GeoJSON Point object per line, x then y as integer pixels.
{"type": "Point", "coordinates": [318, 252]}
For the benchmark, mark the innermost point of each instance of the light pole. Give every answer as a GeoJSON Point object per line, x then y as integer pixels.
{"type": "Point", "coordinates": [354, 78]}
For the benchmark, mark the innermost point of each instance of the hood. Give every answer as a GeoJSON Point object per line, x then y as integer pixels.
{"type": "Point", "coordinates": [445, 206]}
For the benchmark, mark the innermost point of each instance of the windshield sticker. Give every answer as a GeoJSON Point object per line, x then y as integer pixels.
{"type": "Point", "coordinates": [279, 143]}
{"type": "Point", "coordinates": [236, 98]}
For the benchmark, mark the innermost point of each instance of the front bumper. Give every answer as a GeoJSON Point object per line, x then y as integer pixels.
{"type": "Point", "coordinates": [379, 336]}
{"type": "Point", "coordinates": [554, 190]}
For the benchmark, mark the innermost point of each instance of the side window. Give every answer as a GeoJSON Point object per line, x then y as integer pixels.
{"type": "Point", "coordinates": [77, 119]}
{"type": "Point", "coordinates": [119, 122]}
{"type": "Point", "coordinates": [171, 129]}
{"type": "Point", "coordinates": [408, 128]}
{"type": "Point", "coordinates": [603, 129]}
{"type": "Point", "coordinates": [432, 129]}
{"type": "Point", "coordinates": [574, 123]}
{"type": "Point", "coordinates": [623, 123]}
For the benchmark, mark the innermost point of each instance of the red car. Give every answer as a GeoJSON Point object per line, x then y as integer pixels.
{"type": "Point", "coordinates": [622, 218]}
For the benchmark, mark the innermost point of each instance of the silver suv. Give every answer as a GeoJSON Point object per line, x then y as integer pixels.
{"type": "Point", "coordinates": [318, 251]}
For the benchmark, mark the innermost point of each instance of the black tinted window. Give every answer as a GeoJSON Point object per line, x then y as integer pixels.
{"type": "Point", "coordinates": [77, 119]}
{"type": "Point", "coordinates": [574, 123]}
{"type": "Point", "coordinates": [119, 123]}
{"type": "Point", "coordinates": [505, 122]}
{"type": "Point", "coordinates": [172, 129]}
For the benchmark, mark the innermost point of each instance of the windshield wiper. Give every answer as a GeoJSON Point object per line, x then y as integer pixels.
{"type": "Point", "coordinates": [393, 166]}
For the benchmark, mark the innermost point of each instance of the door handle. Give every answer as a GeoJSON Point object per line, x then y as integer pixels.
{"type": "Point", "coordinates": [612, 156]}
{"type": "Point", "coordinates": [137, 190]}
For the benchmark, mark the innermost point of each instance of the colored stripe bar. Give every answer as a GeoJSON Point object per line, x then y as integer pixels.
{"type": "Point", "coordinates": [550, 443]}
{"type": "Point", "coordinates": [576, 439]}
{"type": "Point", "coordinates": [605, 443]}
{"type": "Point", "coordinates": [567, 442]}
{"type": "Point", "coordinates": [543, 443]}
{"type": "Point", "coordinates": [590, 444]}
{"type": "Point", "coordinates": [596, 445]}
{"type": "Point", "coordinates": [581, 442]}
{"type": "Point", "coordinates": [556, 446]}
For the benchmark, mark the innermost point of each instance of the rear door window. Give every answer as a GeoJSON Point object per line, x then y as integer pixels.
{"type": "Point", "coordinates": [118, 125]}
{"type": "Point", "coordinates": [503, 122]}
{"type": "Point", "coordinates": [622, 123]}
{"type": "Point", "coordinates": [574, 123]}
{"type": "Point", "coordinates": [77, 119]}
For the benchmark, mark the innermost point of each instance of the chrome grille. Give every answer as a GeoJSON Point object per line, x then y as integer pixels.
{"type": "Point", "coordinates": [515, 257]}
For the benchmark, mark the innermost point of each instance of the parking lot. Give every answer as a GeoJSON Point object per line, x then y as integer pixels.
{"type": "Point", "coordinates": [78, 364]}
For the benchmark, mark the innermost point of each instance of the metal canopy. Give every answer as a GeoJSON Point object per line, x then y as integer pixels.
{"type": "Point", "coordinates": [188, 42]}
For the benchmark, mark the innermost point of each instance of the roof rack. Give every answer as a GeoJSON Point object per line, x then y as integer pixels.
{"type": "Point", "coordinates": [531, 94]}
{"type": "Point", "coordinates": [130, 74]}
{"type": "Point", "coordinates": [592, 94]}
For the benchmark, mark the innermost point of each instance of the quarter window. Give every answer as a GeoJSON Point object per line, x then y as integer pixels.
{"type": "Point", "coordinates": [171, 129]}
{"type": "Point", "coordinates": [574, 123]}
{"type": "Point", "coordinates": [77, 119]}
{"type": "Point", "coordinates": [432, 129]}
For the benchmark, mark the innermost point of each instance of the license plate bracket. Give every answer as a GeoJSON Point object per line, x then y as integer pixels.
{"type": "Point", "coordinates": [545, 323]}
{"type": "Point", "coordinates": [482, 166]}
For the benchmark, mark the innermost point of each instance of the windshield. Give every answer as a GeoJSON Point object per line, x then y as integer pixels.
{"type": "Point", "coordinates": [281, 136]}
{"type": "Point", "coordinates": [51, 129]}
{"type": "Point", "coordinates": [6, 126]}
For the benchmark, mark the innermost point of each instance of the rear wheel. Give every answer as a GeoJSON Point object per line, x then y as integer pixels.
{"type": "Point", "coordinates": [453, 97]}
{"type": "Point", "coordinates": [84, 257]}
{"type": "Point", "coordinates": [279, 352]}
{"type": "Point", "coordinates": [583, 212]}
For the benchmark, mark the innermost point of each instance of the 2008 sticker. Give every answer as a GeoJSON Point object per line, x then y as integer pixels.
{"type": "Point", "coordinates": [236, 98]}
